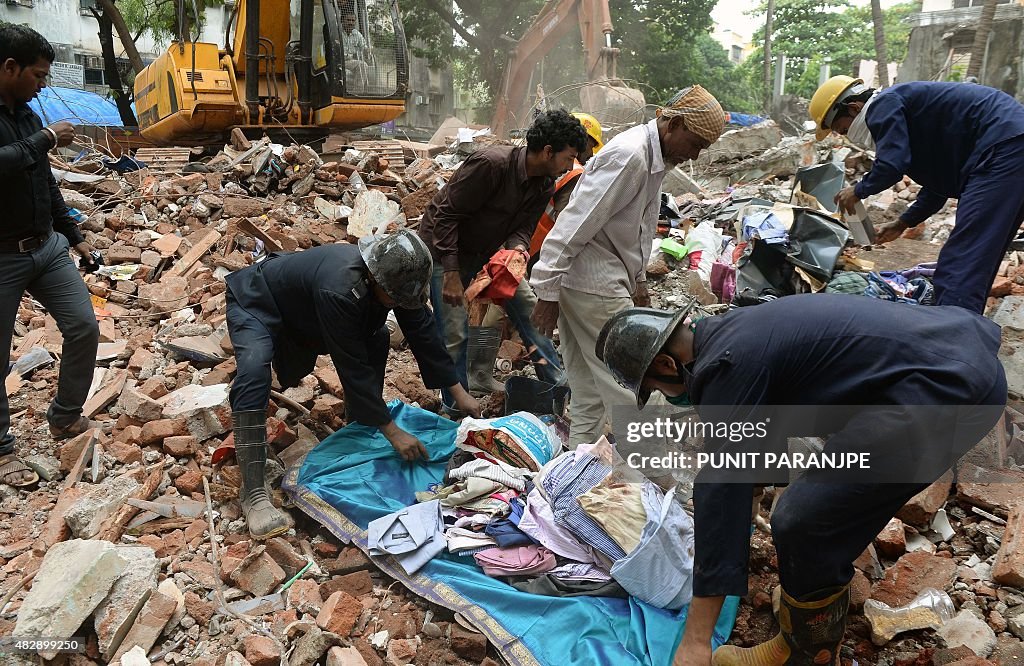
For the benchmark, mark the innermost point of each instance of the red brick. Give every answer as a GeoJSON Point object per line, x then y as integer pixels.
{"type": "Point", "coordinates": [351, 559]}
{"type": "Point", "coordinates": [123, 452]}
{"type": "Point", "coordinates": [259, 576]}
{"type": "Point", "coordinates": [130, 435]}
{"type": "Point", "coordinates": [327, 549]}
{"type": "Point", "coordinates": [190, 482]}
{"type": "Point", "coordinates": [912, 573]}
{"type": "Point", "coordinates": [993, 490]}
{"type": "Point", "coordinates": [160, 429]}
{"type": "Point", "coordinates": [357, 584]}
{"type": "Point", "coordinates": [922, 507]}
{"type": "Point", "coordinates": [891, 542]}
{"type": "Point", "coordinates": [345, 656]}
{"type": "Point", "coordinates": [860, 590]}
{"type": "Point", "coordinates": [172, 543]}
{"type": "Point", "coordinates": [149, 625]}
{"type": "Point", "coordinates": [180, 445]}
{"type": "Point", "coordinates": [468, 645]}
{"type": "Point", "coordinates": [304, 595]}
{"type": "Point", "coordinates": [402, 651]}
{"type": "Point", "coordinates": [200, 609]}
{"type": "Point", "coordinates": [1002, 286]}
{"type": "Point", "coordinates": [1008, 568]}
{"type": "Point", "coordinates": [261, 651]}
{"type": "Point", "coordinates": [339, 614]}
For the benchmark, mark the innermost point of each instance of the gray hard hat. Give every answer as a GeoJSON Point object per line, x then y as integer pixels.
{"type": "Point", "coordinates": [400, 263]}
{"type": "Point", "coordinates": [631, 339]}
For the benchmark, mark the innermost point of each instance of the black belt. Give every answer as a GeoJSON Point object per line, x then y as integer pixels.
{"type": "Point", "coordinates": [29, 244]}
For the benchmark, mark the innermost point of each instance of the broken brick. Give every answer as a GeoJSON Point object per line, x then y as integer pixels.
{"type": "Point", "coordinates": [357, 584]}
{"type": "Point", "coordinates": [258, 576]}
{"type": "Point", "coordinates": [891, 542]}
{"type": "Point", "coordinates": [912, 573]}
{"type": "Point", "coordinates": [190, 482]}
{"type": "Point", "coordinates": [156, 431]}
{"type": "Point", "coordinates": [197, 607]}
{"type": "Point", "coordinates": [261, 651]}
{"type": "Point", "coordinates": [304, 594]}
{"type": "Point", "coordinates": [1008, 568]}
{"type": "Point", "coordinates": [180, 445]}
{"type": "Point", "coordinates": [922, 507]}
{"type": "Point", "coordinates": [339, 614]}
{"type": "Point", "coordinates": [467, 644]}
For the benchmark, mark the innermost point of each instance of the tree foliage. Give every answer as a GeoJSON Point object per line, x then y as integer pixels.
{"type": "Point", "coordinates": [810, 31]}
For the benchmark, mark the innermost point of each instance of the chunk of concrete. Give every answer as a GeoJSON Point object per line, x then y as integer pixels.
{"type": "Point", "coordinates": [969, 630]}
{"type": "Point", "coordinates": [86, 517]}
{"type": "Point", "coordinates": [148, 625]}
{"type": "Point", "coordinates": [371, 212]}
{"type": "Point", "coordinates": [117, 612]}
{"type": "Point", "coordinates": [205, 409]}
{"type": "Point", "coordinates": [73, 579]}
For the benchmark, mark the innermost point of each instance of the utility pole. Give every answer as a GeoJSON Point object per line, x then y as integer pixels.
{"type": "Point", "coordinates": [767, 71]}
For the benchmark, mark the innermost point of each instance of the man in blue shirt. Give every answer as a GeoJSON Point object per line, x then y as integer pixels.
{"type": "Point", "coordinates": [825, 365]}
{"type": "Point", "coordinates": [957, 141]}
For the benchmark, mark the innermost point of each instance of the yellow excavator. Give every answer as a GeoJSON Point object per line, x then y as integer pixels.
{"type": "Point", "coordinates": [294, 68]}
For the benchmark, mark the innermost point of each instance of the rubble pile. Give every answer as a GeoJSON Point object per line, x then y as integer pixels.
{"type": "Point", "coordinates": [115, 546]}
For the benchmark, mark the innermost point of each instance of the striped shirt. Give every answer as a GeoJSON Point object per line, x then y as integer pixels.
{"type": "Point", "coordinates": [602, 240]}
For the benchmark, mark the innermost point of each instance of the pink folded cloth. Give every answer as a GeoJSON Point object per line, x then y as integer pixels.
{"type": "Point", "coordinates": [516, 561]}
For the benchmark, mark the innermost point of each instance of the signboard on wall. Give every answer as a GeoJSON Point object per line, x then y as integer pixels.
{"type": "Point", "coordinates": [67, 75]}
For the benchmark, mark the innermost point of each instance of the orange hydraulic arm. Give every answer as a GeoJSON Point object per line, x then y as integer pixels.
{"type": "Point", "coordinates": [555, 20]}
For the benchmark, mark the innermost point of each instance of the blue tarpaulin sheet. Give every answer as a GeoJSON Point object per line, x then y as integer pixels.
{"type": "Point", "coordinates": [78, 107]}
{"type": "Point", "coordinates": [355, 476]}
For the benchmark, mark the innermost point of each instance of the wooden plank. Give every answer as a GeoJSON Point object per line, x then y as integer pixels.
{"type": "Point", "coordinates": [195, 254]}
{"type": "Point", "coordinates": [34, 337]}
{"type": "Point", "coordinates": [245, 226]}
{"type": "Point", "coordinates": [105, 395]}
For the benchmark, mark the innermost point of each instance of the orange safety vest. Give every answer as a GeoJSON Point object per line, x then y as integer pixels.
{"type": "Point", "coordinates": [546, 220]}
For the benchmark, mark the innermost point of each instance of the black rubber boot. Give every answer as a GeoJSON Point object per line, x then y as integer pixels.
{"type": "Point", "coordinates": [263, 518]}
{"type": "Point", "coordinates": [481, 352]}
{"type": "Point", "coordinates": [810, 634]}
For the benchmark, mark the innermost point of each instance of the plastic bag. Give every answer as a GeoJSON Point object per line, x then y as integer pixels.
{"type": "Point", "coordinates": [520, 439]}
{"type": "Point", "coordinates": [929, 610]}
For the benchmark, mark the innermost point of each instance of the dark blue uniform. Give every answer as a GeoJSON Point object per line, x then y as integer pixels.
{"type": "Point", "coordinates": [288, 309]}
{"type": "Point", "coordinates": [960, 141]}
{"type": "Point", "coordinates": [906, 378]}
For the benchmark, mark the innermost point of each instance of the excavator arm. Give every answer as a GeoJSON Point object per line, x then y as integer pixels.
{"type": "Point", "coordinates": [555, 20]}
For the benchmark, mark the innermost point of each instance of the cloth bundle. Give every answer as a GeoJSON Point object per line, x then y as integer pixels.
{"type": "Point", "coordinates": [500, 277]}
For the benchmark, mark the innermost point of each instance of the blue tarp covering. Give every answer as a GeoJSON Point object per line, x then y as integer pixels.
{"type": "Point", "coordinates": [78, 107]}
{"type": "Point", "coordinates": [743, 119]}
{"type": "Point", "coordinates": [354, 476]}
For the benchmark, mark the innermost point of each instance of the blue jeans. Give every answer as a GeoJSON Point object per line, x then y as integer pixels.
{"type": "Point", "coordinates": [453, 326]}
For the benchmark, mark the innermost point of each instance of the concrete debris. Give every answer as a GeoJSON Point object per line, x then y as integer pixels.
{"type": "Point", "coordinates": [72, 581]}
{"type": "Point", "coordinates": [87, 515]}
{"type": "Point", "coordinates": [169, 240]}
{"type": "Point", "coordinates": [118, 611]}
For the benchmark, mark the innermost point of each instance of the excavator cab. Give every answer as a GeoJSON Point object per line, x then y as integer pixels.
{"type": "Point", "coordinates": [291, 68]}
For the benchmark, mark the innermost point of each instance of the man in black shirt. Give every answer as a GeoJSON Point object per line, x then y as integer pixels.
{"type": "Point", "coordinates": [32, 257]}
{"type": "Point", "coordinates": [333, 299]}
{"type": "Point", "coordinates": [913, 387]}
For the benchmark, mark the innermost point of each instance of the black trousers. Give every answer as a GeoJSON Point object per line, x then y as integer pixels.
{"type": "Point", "coordinates": [259, 352]}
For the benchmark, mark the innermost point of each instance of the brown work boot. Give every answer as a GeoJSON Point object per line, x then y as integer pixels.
{"type": "Point", "coordinates": [76, 428]}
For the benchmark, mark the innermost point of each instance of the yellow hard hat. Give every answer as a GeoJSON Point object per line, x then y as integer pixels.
{"type": "Point", "coordinates": [593, 128]}
{"type": "Point", "coordinates": [828, 97]}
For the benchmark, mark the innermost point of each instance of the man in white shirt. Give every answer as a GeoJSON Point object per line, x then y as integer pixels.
{"type": "Point", "coordinates": [593, 263]}
{"type": "Point", "coordinates": [354, 46]}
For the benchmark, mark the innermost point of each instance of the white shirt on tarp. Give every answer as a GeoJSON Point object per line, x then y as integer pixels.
{"type": "Point", "coordinates": [602, 241]}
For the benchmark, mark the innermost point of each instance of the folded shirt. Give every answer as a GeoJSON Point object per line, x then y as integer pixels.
{"type": "Point", "coordinates": [518, 561]}
{"type": "Point", "coordinates": [413, 535]}
{"type": "Point", "coordinates": [504, 474]}
{"type": "Point", "coordinates": [461, 540]}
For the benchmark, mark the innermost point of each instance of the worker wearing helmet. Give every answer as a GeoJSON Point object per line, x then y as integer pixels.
{"type": "Point", "coordinates": [956, 141]}
{"type": "Point", "coordinates": [565, 185]}
{"type": "Point", "coordinates": [808, 365]}
{"type": "Point", "coordinates": [286, 310]}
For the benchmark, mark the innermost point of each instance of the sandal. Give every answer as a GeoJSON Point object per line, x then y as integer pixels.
{"type": "Point", "coordinates": [76, 428]}
{"type": "Point", "coordinates": [10, 465]}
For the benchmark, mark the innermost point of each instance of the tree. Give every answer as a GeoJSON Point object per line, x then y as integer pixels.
{"type": "Point", "coordinates": [988, 12]}
{"type": "Point", "coordinates": [879, 29]}
{"type": "Point", "coordinates": [486, 33]}
{"type": "Point", "coordinates": [766, 67]}
{"type": "Point", "coordinates": [110, 71]}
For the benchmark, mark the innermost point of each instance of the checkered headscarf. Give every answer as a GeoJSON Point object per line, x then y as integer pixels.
{"type": "Point", "coordinates": [700, 110]}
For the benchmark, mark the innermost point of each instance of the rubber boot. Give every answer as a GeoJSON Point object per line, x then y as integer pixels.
{"type": "Point", "coordinates": [481, 352]}
{"type": "Point", "coordinates": [263, 518]}
{"type": "Point", "coordinates": [810, 634]}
